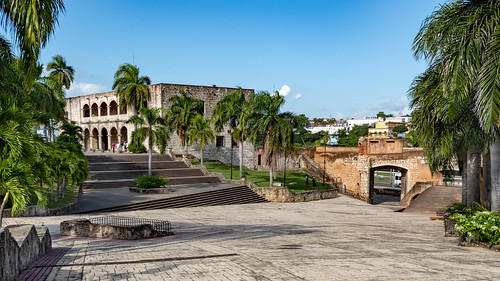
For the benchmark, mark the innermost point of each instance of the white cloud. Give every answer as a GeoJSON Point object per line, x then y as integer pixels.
{"type": "Point", "coordinates": [298, 96]}
{"type": "Point", "coordinates": [285, 90]}
{"type": "Point", "coordinates": [82, 88]}
{"type": "Point", "coordinates": [394, 106]}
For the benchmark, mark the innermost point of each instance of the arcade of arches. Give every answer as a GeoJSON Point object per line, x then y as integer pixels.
{"type": "Point", "coordinates": [102, 139]}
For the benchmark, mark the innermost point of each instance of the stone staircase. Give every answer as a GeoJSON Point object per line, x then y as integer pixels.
{"type": "Point", "coordinates": [226, 196]}
{"type": "Point", "coordinates": [121, 170]}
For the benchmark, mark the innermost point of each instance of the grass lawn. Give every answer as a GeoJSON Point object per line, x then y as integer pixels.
{"type": "Point", "coordinates": [68, 198]}
{"type": "Point", "coordinates": [295, 181]}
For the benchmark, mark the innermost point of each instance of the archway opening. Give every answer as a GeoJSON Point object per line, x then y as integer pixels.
{"type": "Point", "coordinates": [86, 139]}
{"type": "Point", "coordinates": [86, 111]}
{"type": "Point", "coordinates": [95, 110]}
{"type": "Point", "coordinates": [123, 134]}
{"type": "Point", "coordinates": [95, 139]}
{"type": "Point", "coordinates": [387, 183]}
{"type": "Point", "coordinates": [114, 135]}
{"type": "Point", "coordinates": [104, 109]}
{"type": "Point", "coordinates": [104, 139]}
{"type": "Point", "coordinates": [113, 108]}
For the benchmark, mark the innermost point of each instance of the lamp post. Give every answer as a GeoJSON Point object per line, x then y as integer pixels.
{"type": "Point", "coordinates": [324, 164]}
{"type": "Point", "coordinates": [231, 138]}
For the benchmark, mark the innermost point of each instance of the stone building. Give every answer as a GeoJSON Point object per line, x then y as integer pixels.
{"type": "Point", "coordinates": [103, 122]}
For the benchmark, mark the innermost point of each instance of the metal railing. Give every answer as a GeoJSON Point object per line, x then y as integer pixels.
{"type": "Point", "coordinates": [157, 225]}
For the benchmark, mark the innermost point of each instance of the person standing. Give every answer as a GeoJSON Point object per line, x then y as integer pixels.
{"type": "Point", "coordinates": [113, 147]}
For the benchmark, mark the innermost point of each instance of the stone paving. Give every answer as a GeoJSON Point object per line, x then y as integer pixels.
{"type": "Point", "coordinates": [335, 239]}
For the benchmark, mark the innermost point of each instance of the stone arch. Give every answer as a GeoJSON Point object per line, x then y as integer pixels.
{"type": "Point", "coordinates": [124, 134]}
{"type": "Point", "coordinates": [398, 181]}
{"type": "Point", "coordinates": [94, 110]}
{"type": "Point", "coordinates": [95, 139]}
{"type": "Point", "coordinates": [113, 108]}
{"type": "Point", "coordinates": [86, 111]}
{"type": "Point", "coordinates": [86, 139]}
{"type": "Point", "coordinates": [104, 139]}
{"type": "Point", "coordinates": [104, 109]}
{"type": "Point", "coordinates": [114, 135]}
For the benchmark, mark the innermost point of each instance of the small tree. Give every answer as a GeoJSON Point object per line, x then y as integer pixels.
{"type": "Point", "coordinates": [201, 132]}
{"type": "Point", "coordinates": [400, 129]}
{"type": "Point", "coordinates": [153, 128]}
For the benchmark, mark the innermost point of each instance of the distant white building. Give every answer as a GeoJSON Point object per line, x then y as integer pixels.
{"type": "Point", "coordinates": [350, 123]}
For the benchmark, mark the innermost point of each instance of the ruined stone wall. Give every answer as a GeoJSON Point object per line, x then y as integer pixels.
{"type": "Point", "coordinates": [114, 125]}
{"type": "Point", "coordinates": [354, 169]}
{"type": "Point", "coordinates": [20, 245]}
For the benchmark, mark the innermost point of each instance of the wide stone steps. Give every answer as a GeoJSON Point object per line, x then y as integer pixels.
{"type": "Point", "coordinates": [107, 166]}
{"type": "Point", "coordinates": [121, 170]}
{"type": "Point", "coordinates": [126, 157]}
{"type": "Point", "coordinates": [226, 196]}
{"type": "Point", "coordinates": [134, 174]}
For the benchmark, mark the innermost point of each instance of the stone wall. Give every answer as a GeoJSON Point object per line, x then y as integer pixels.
{"type": "Point", "coordinates": [355, 166]}
{"type": "Point", "coordinates": [35, 211]}
{"type": "Point", "coordinates": [20, 245]}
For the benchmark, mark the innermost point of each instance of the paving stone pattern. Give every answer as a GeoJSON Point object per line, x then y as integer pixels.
{"type": "Point", "coordinates": [335, 239]}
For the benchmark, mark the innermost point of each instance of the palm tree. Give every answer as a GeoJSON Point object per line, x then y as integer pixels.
{"type": "Point", "coordinates": [233, 110]}
{"type": "Point", "coordinates": [275, 127]}
{"type": "Point", "coordinates": [200, 132]}
{"type": "Point", "coordinates": [153, 127]}
{"type": "Point", "coordinates": [60, 71]}
{"type": "Point", "coordinates": [32, 23]}
{"type": "Point", "coordinates": [461, 40]}
{"type": "Point", "coordinates": [182, 111]}
{"type": "Point", "coordinates": [131, 89]}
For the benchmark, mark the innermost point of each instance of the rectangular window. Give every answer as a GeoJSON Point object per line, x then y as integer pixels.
{"type": "Point", "coordinates": [219, 141]}
{"type": "Point", "coordinates": [234, 142]}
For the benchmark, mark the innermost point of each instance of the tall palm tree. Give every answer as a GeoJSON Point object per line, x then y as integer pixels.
{"type": "Point", "coordinates": [233, 110]}
{"type": "Point", "coordinates": [182, 111]}
{"type": "Point", "coordinates": [200, 132]}
{"type": "Point", "coordinates": [461, 39]}
{"type": "Point", "coordinates": [274, 125]}
{"type": "Point", "coordinates": [31, 22]}
{"type": "Point", "coordinates": [131, 89]}
{"type": "Point", "coordinates": [60, 71]}
{"type": "Point", "coordinates": [153, 127]}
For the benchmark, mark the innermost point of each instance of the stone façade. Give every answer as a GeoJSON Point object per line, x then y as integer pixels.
{"type": "Point", "coordinates": [103, 122]}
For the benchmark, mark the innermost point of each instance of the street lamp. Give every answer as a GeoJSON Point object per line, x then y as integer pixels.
{"type": "Point", "coordinates": [324, 163]}
{"type": "Point", "coordinates": [231, 138]}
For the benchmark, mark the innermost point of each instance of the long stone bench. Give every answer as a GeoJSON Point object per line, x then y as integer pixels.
{"type": "Point", "coordinates": [21, 245]}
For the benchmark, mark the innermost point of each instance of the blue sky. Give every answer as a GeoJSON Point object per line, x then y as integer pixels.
{"type": "Point", "coordinates": [331, 58]}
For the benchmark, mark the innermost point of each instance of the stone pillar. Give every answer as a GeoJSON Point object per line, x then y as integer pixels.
{"type": "Point", "coordinates": [109, 141]}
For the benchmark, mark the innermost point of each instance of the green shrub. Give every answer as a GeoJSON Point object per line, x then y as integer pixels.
{"type": "Point", "coordinates": [135, 147]}
{"type": "Point", "coordinates": [460, 208]}
{"type": "Point", "coordinates": [151, 182]}
{"type": "Point", "coordinates": [481, 226]}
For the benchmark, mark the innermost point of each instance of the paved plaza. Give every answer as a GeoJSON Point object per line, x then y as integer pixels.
{"type": "Point", "coordinates": [335, 239]}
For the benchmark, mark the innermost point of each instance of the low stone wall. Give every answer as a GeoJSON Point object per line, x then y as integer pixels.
{"type": "Point", "coordinates": [284, 195]}
{"type": "Point", "coordinates": [276, 194]}
{"type": "Point", "coordinates": [20, 245]}
{"type": "Point", "coordinates": [159, 190]}
{"type": "Point", "coordinates": [85, 228]}
{"type": "Point", "coordinates": [36, 211]}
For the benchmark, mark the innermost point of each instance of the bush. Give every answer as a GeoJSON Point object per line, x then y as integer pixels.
{"type": "Point", "coordinates": [481, 226]}
{"type": "Point", "coordinates": [135, 147]}
{"type": "Point", "coordinates": [151, 182]}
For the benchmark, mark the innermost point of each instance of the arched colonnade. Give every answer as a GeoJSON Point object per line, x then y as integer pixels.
{"type": "Point", "coordinates": [100, 139]}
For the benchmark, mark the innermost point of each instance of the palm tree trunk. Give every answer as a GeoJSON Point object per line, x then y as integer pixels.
{"type": "Point", "coordinates": [473, 174]}
{"type": "Point", "coordinates": [464, 182]}
{"type": "Point", "coordinates": [241, 159]}
{"type": "Point", "coordinates": [4, 202]}
{"type": "Point", "coordinates": [150, 157]}
{"type": "Point", "coordinates": [63, 192]}
{"type": "Point", "coordinates": [202, 156]}
{"type": "Point", "coordinates": [486, 196]}
{"type": "Point", "coordinates": [495, 175]}
{"type": "Point", "coordinates": [270, 176]}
